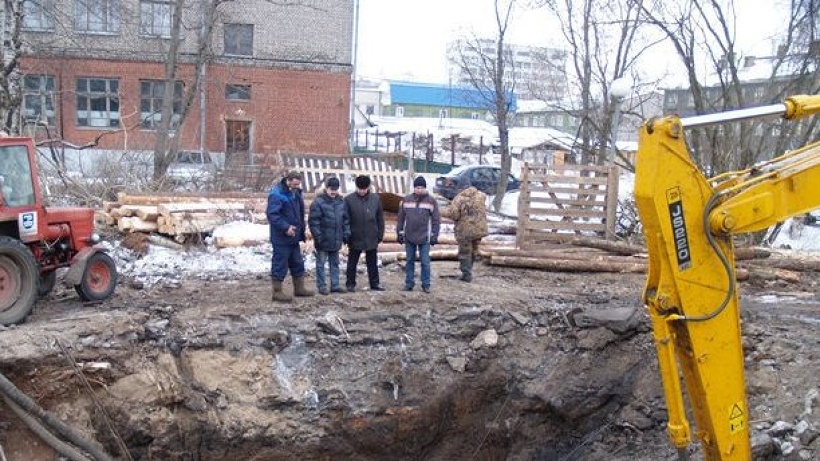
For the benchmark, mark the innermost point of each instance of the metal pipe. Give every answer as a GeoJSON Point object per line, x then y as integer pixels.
{"type": "Point", "coordinates": [733, 116]}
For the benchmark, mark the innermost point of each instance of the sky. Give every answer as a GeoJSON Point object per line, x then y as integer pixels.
{"type": "Point", "coordinates": [407, 39]}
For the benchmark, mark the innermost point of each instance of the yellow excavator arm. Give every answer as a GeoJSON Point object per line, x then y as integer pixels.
{"type": "Point", "coordinates": [690, 294]}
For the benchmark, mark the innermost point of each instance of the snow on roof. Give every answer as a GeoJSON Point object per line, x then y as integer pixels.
{"type": "Point", "coordinates": [439, 127]}
{"type": "Point", "coordinates": [527, 137]}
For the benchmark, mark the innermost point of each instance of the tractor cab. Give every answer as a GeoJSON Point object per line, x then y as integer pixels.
{"type": "Point", "coordinates": [16, 178]}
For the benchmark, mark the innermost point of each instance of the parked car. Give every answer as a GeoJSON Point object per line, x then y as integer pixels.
{"type": "Point", "coordinates": [191, 168]}
{"type": "Point", "coordinates": [484, 178]}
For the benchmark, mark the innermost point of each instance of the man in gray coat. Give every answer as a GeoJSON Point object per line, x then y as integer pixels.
{"type": "Point", "coordinates": [366, 232]}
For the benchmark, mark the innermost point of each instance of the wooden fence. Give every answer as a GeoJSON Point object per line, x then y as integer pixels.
{"type": "Point", "coordinates": [385, 171]}
{"type": "Point", "coordinates": [562, 203]}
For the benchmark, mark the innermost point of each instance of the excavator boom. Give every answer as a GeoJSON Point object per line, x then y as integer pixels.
{"type": "Point", "coordinates": [690, 292]}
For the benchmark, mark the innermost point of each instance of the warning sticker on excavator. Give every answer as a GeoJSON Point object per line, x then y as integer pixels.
{"type": "Point", "coordinates": [737, 419]}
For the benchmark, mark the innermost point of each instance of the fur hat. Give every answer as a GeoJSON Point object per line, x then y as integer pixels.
{"type": "Point", "coordinates": [332, 183]}
{"type": "Point", "coordinates": [420, 182]}
{"type": "Point", "coordinates": [362, 182]}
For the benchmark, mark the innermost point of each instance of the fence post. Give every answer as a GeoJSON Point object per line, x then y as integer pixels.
{"type": "Point", "coordinates": [523, 207]}
{"type": "Point", "coordinates": [481, 150]}
{"type": "Point", "coordinates": [452, 150]}
{"type": "Point", "coordinates": [611, 201]}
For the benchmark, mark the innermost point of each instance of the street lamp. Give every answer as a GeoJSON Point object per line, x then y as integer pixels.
{"type": "Point", "coordinates": [618, 90]}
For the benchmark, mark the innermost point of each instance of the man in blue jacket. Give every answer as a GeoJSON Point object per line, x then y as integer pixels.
{"type": "Point", "coordinates": [286, 216]}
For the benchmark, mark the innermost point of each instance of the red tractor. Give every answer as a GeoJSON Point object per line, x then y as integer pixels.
{"type": "Point", "coordinates": [36, 240]}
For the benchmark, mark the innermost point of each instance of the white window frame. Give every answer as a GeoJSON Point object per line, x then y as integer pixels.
{"type": "Point", "coordinates": [399, 111]}
{"type": "Point", "coordinates": [89, 96]}
{"type": "Point", "coordinates": [237, 91]}
{"type": "Point", "coordinates": [44, 95]}
{"type": "Point", "coordinates": [239, 49]}
{"type": "Point", "coordinates": [38, 15]}
{"type": "Point", "coordinates": [156, 17]}
{"type": "Point", "coordinates": [151, 104]}
{"type": "Point", "coordinates": [97, 17]}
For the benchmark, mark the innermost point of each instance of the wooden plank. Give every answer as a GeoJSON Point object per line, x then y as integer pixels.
{"type": "Point", "coordinates": [597, 180]}
{"type": "Point", "coordinates": [568, 202]}
{"type": "Point", "coordinates": [567, 212]}
{"type": "Point", "coordinates": [565, 225]}
{"type": "Point", "coordinates": [167, 209]}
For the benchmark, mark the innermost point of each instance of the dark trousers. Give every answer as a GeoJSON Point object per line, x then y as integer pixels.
{"type": "Point", "coordinates": [287, 257]}
{"type": "Point", "coordinates": [370, 257]}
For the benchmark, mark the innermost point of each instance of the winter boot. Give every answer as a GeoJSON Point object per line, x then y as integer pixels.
{"type": "Point", "coordinates": [299, 288]}
{"type": "Point", "coordinates": [278, 294]}
{"type": "Point", "coordinates": [466, 266]}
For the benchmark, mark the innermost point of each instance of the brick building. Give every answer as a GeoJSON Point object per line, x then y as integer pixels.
{"type": "Point", "coordinates": [278, 78]}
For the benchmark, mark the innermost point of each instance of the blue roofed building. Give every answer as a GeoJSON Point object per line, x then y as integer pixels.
{"type": "Point", "coordinates": [408, 99]}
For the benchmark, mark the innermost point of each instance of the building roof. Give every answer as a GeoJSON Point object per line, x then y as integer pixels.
{"type": "Point", "coordinates": [431, 94]}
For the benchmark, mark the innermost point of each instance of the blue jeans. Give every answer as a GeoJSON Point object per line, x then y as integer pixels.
{"type": "Point", "coordinates": [321, 258]}
{"type": "Point", "coordinates": [410, 267]}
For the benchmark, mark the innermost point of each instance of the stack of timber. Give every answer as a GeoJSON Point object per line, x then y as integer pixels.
{"type": "Point", "coordinates": [597, 255]}
{"type": "Point", "coordinates": [179, 215]}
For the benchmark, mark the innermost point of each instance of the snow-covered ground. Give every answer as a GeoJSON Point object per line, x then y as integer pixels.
{"type": "Point", "coordinates": [208, 262]}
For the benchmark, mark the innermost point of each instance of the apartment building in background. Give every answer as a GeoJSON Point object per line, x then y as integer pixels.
{"type": "Point", "coordinates": [536, 72]}
{"type": "Point", "coordinates": [278, 78]}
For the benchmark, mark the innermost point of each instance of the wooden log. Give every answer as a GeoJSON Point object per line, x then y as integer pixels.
{"type": "Point", "coordinates": [608, 245]}
{"type": "Point", "coordinates": [563, 253]}
{"type": "Point", "coordinates": [107, 206]}
{"type": "Point", "coordinates": [797, 265]}
{"type": "Point", "coordinates": [148, 213]}
{"type": "Point", "coordinates": [567, 265]}
{"type": "Point", "coordinates": [746, 253]}
{"type": "Point", "coordinates": [126, 199]}
{"type": "Point", "coordinates": [135, 224]}
{"type": "Point", "coordinates": [167, 209]}
{"type": "Point", "coordinates": [165, 242]}
{"type": "Point", "coordinates": [766, 273]}
{"type": "Point", "coordinates": [134, 210]}
{"type": "Point", "coordinates": [435, 255]}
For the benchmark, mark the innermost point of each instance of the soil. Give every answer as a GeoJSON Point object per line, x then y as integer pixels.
{"type": "Point", "coordinates": [207, 370]}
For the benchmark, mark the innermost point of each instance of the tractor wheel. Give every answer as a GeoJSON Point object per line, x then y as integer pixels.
{"type": "Point", "coordinates": [99, 278]}
{"type": "Point", "coordinates": [47, 282]}
{"type": "Point", "coordinates": [19, 279]}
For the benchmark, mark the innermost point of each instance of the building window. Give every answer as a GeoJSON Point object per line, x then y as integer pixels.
{"type": "Point", "coordinates": [399, 111]}
{"type": "Point", "coordinates": [442, 113]}
{"type": "Point", "coordinates": [239, 39]}
{"type": "Point", "coordinates": [238, 92]}
{"type": "Point", "coordinates": [370, 109]}
{"type": "Point", "coordinates": [151, 97]}
{"type": "Point", "coordinates": [38, 100]}
{"type": "Point", "coordinates": [38, 14]}
{"type": "Point", "coordinates": [155, 17]}
{"type": "Point", "coordinates": [98, 102]}
{"type": "Point", "coordinates": [97, 16]}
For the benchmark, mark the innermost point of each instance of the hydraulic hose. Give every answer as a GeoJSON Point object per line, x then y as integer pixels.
{"type": "Point", "coordinates": [29, 406]}
{"type": "Point", "coordinates": [45, 435]}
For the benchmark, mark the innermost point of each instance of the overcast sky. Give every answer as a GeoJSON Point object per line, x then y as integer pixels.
{"type": "Point", "coordinates": [407, 39]}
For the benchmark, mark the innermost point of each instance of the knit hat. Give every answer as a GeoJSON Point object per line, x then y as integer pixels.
{"type": "Point", "coordinates": [420, 182]}
{"type": "Point", "coordinates": [362, 182]}
{"type": "Point", "coordinates": [332, 183]}
{"type": "Point", "coordinates": [293, 175]}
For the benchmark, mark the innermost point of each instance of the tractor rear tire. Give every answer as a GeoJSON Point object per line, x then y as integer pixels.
{"type": "Point", "coordinates": [19, 279]}
{"type": "Point", "coordinates": [47, 283]}
{"type": "Point", "coordinates": [99, 278]}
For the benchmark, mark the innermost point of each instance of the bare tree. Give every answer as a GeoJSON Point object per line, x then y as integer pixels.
{"type": "Point", "coordinates": [606, 41]}
{"type": "Point", "coordinates": [486, 73]}
{"type": "Point", "coordinates": [703, 35]}
{"type": "Point", "coordinates": [11, 13]}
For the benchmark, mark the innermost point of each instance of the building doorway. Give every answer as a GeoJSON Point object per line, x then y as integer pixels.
{"type": "Point", "coordinates": [237, 142]}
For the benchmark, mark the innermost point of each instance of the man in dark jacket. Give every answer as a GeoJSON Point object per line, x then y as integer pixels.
{"type": "Point", "coordinates": [330, 227]}
{"type": "Point", "coordinates": [417, 226]}
{"type": "Point", "coordinates": [366, 232]}
{"type": "Point", "coordinates": [286, 216]}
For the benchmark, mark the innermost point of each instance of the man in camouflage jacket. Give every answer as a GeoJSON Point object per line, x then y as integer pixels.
{"type": "Point", "coordinates": [469, 211]}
